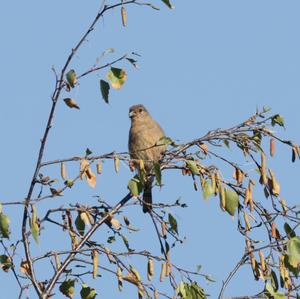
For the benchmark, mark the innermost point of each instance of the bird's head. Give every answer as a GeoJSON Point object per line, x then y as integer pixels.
{"type": "Point", "coordinates": [137, 112]}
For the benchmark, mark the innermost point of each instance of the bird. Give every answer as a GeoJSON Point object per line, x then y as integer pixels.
{"type": "Point", "coordinates": [143, 144]}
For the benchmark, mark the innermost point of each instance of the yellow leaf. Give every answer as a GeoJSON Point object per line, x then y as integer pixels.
{"type": "Point", "coordinates": [116, 77]}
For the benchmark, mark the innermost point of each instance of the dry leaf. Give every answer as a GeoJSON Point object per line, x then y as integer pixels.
{"type": "Point", "coordinates": [274, 185]}
{"type": "Point", "coordinates": [24, 268]}
{"type": "Point", "coordinates": [115, 223]}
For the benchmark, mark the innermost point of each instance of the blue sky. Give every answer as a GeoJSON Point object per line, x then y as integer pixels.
{"type": "Point", "coordinates": [203, 65]}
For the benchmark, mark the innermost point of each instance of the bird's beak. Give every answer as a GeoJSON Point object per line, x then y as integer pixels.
{"type": "Point", "coordinates": [131, 114]}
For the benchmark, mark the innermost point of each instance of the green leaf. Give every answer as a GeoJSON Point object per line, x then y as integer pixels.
{"type": "Point", "coordinates": [266, 109]}
{"type": "Point", "coordinates": [157, 173]}
{"type": "Point", "coordinates": [4, 226]}
{"type": "Point", "coordinates": [231, 201]}
{"type": "Point", "coordinates": [192, 165]}
{"type": "Point", "coordinates": [69, 183]}
{"type": "Point", "coordinates": [80, 225]}
{"type": "Point", "coordinates": [173, 223]}
{"type": "Point", "coordinates": [88, 152]}
{"type": "Point", "coordinates": [5, 262]}
{"type": "Point", "coordinates": [207, 190]}
{"type": "Point", "coordinates": [135, 186]}
{"type": "Point", "coordinates": [165, 141]}
{"type": "Point", "coordinates": [87, 292]}
{"type": "Point", "coordinates": [289, 231]}
{"type": "Point", "coordinates": [34, 225]}
{"type": "Point", "coordinates": [116, 77]}
{"type": "Point", "coordinates": [67, 287]}
{"type": "Point", "coordinates": [71, 78]}
{"type": "Point", "coordinates": [293, 247]}
{"type": "Point", "coordinates": [167, 2]}
{"type": "Point", "coordinates": [277, 120]}
{"type": "Point", "coordinates": [104, 87]}
{"type": "Point", "coordinates": [190, 291]}
{"type": "Point", "coordinates": [291, 265]}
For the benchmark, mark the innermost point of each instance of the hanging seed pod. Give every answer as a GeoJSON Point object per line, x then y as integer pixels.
{"type": "Point", "coordinates": [294, 153]}
{"type": "Point", "coordinates": [274, 185]}
{"type": "Point", "coordinates": [162, 272]}
{"type": "Point", "coordinates": [150, 268]}
{"type": "Point", "coordinates": [264, 179]}
{"type": "Point", "coordinates": [272, 147]}
{"type": "Point", "coordinates": [120, 279]}
{"type": "Point", "coordinates": [63, 171]}
{"type": "Point", "coordinates": [163, 229]}
{"type": "Point", "coordinates": [123, 15]}
{"type": "Point", "coordinates": [99, 167]}
{"type": "Point", "coordinates": [247, 222]}
{"type": "Point", "coordinates": [95, 262]}
{"type": "Point", "coordinates": [262, 260]}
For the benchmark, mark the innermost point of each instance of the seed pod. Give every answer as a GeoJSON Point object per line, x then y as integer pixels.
{"type": "Point", "coordinates": [298, 151]}
{"type": "Point", "coordinates": [57, 261]}
{"type": "Point", "coordinates": [274, 185]}
{"type": "Point", "coordinates": [150, 269]}
{"type": "Point", "coordinates": [95, 262]}
{"type": "Point", "coordinates": [123, 15]}
{"type": "Point", "coordinates": [264, 179]}
{"type": "Point", "coordinates": [155, 294]}
{"type": "Point", "coordinates": [99, 167]}
{"type": "Point", "coordinates": [262, 260]}
{"type": "Point", "coordinates": [163, 229]}
{"type": "Point", "coordinates": [116, 163]}
{"type": "Point", "coordinates": [168, 268]}
{"type": "Point", "coordinates": [162, 272]}
{"type": "Point", "coordinates": [213, 182]}
{"type": "Point", "coordinates": [272, 147]}
{"type": "Point", "coordinates": [247, 222]}
{"type": "Point", "coordinates": [63, 171]}
{"type": "Point", "coordinates": [120, 279]}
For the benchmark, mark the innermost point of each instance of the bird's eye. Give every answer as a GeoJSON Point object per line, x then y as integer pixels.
{"type": "Point", "coordinates": [141, 110]}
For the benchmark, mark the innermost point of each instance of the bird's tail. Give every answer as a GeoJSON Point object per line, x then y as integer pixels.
{"type": "Point", "coordinates": [147, 197]}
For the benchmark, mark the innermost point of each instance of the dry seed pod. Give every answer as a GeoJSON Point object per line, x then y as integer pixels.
{"type": "Point", "coordinates": [123, 15]}
{"type": "Point", "coordinates": [168, 268]}
{"type": "Point", "coordinates": [262, 260]}
{"type": "Point", "coordinates": [163, 229]}
{"type": "Point", "coordinates": [63, 171]}
{"type": "Point", "coordinates": [155, 294]}
{"type": "Point", "coordinates": [283, 205]}
{"type": "Point", "coordinates": [95, 262]}
{"type": "Point", "coordinates": [162, 272]}
{"type": "Point", "coordinates": [274, 230]}
{"type": "Point", "coordinates": [272, 147]}
{"type": "Point", "coordinates": [204, 148]}
{"type": "Point", "coordinates": [150, 269]}
{"type": "Point", "coordinates": [264, 179]}
{"type": "Point", "coordinates": [298, 151]}
{"type": "Point", "coordinates": [120, 279]}
{"type": "Point", "coordinates": [57, 261]}
{"type": "Point", "coordinates": [275, 187]}
{"type": "Point", "coordinates": [109, 256]}
{"type": "Point", "coordinates": [247, 222]}
{"type": "Point", "coordinates": [213, 182]}
{"type": "Point", "coordinates": [99, 167]}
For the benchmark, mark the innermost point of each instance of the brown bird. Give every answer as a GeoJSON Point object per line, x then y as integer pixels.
{"type": "Point", "coordinates": [143, 144]}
